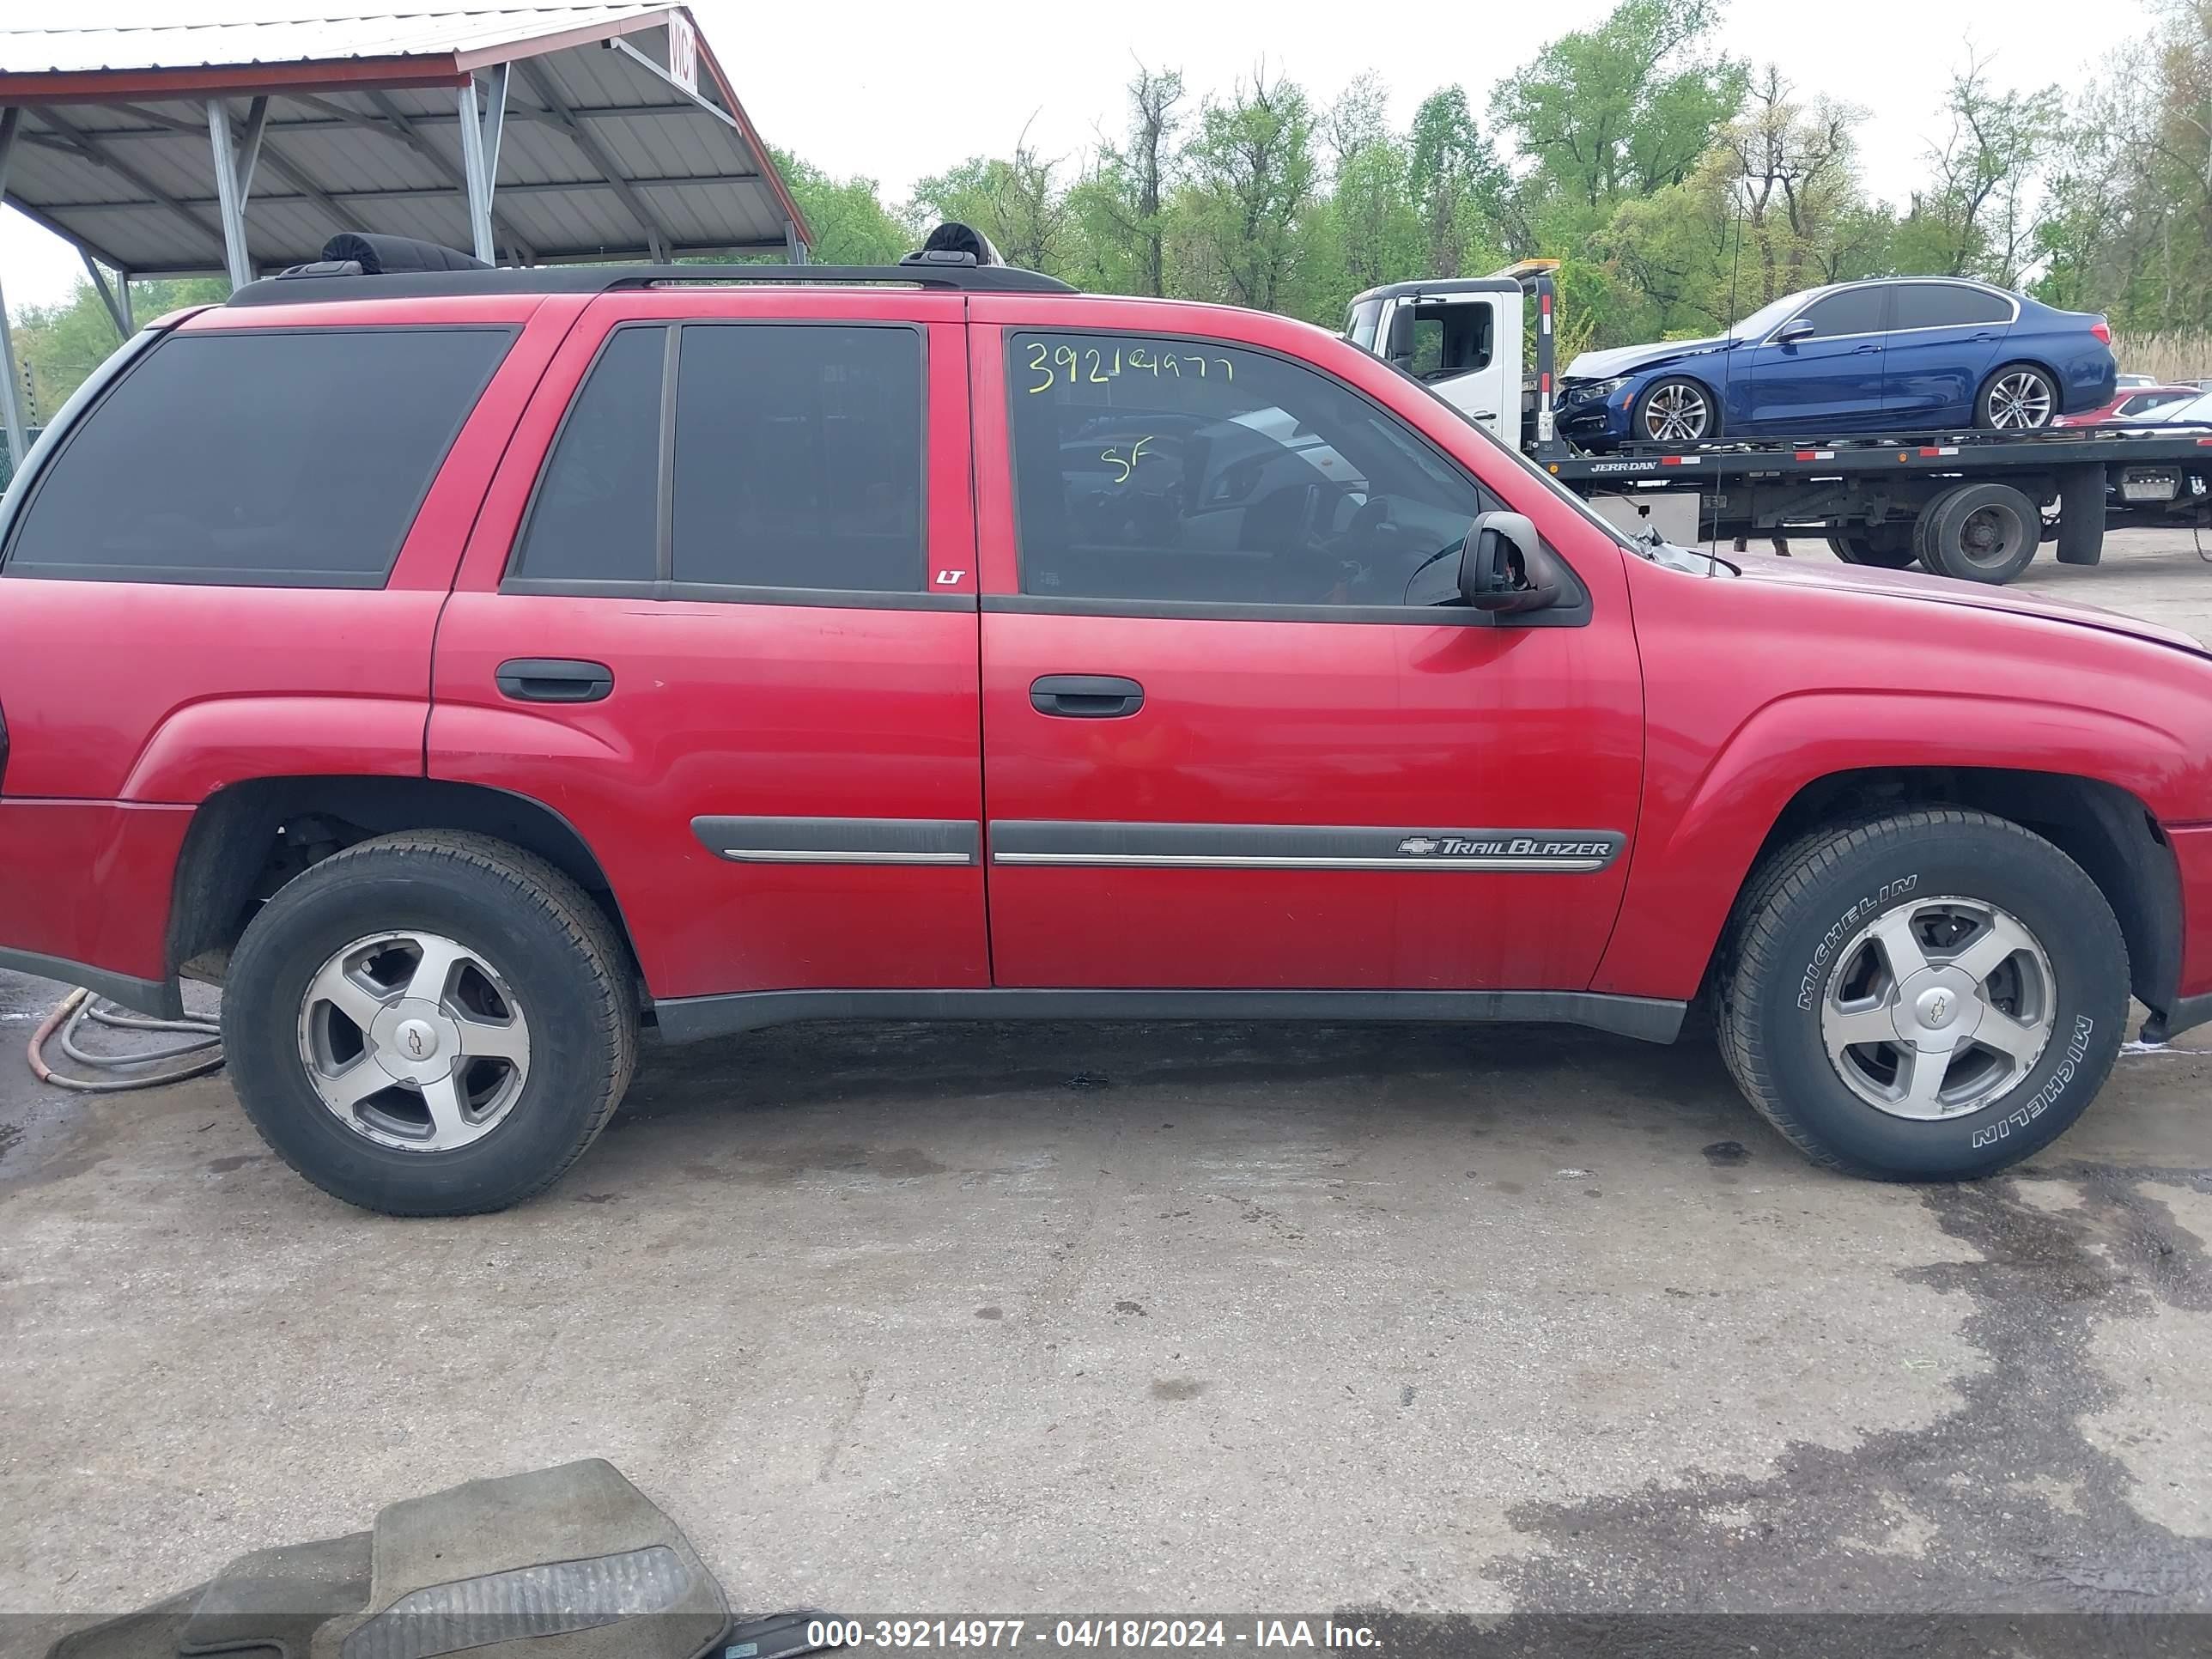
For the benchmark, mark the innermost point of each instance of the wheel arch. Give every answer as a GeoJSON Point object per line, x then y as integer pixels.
{"type": "Point", "coordinates": [250, 838]}
{"type": "Point", "coordinates": [2105, 828]}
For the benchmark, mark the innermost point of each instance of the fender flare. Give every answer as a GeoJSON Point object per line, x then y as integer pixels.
{"type": "Point", "coordinates": [1691, 858]}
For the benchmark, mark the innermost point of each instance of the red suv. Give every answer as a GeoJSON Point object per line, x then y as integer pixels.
{"type": "Point", "coordinates": [472, 669]}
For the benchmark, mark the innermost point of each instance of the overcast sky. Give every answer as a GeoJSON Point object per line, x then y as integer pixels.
{"type": "Point", "coordinates": [896, 92]}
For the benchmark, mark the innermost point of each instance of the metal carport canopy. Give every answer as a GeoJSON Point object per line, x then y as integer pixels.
{"type": "Point", "coordinates": [528, 134]}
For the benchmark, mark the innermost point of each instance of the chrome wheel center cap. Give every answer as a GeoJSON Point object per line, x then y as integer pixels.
{"type": "Point", "coordinates": [1937, 1008]}
{"type": "Point", "coordinates": [415, 1040]}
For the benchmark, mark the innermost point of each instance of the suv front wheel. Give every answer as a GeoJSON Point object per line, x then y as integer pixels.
{"type": "Point", "coordinates": [1928, 996]}
{"type": "Point", "coordinates": [430, 1023]}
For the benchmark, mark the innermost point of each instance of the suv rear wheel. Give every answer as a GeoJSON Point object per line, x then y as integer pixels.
{"type": "Point", "coordinates": [1930, 996]}
{"type": "Point", "coordinates": [430, 1023]}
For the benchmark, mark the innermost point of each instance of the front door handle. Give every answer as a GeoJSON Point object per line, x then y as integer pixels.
{"type": "Point", "coordinates": [1086, 696]}
{"type": "Point", "coordinates": [1866, 348]}
{"type": "Point", "coordinates": [555, 679]}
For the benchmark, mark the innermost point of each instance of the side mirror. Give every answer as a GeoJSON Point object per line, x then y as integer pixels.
{"type": "Point", "coordinates": [1398, 346]}
{"type": "Point", "coordinates": [1502, 567]}
{"type": "Point", "coordinates": [1799, 328]}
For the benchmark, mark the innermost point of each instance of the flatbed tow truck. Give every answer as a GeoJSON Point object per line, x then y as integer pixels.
{"type": "Point", "coordinates": [1972, 505]}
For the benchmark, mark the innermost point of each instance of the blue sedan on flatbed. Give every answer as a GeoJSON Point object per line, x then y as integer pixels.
{"type": "Point", "coordinates": [1901, 355]}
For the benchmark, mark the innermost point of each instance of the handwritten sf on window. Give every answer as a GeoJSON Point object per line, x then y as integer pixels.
{"type": "Point", "coordinates": [1126, 461]}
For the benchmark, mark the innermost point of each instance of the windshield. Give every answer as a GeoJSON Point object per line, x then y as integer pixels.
{"type": "Point", "coordinates": [1360, 327]}
{"type": "Point", "coordinates": [1769, 317]}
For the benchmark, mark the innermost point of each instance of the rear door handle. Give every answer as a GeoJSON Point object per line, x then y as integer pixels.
{"type": "Point", "coordinates": [555, 679]}
{"type": "Point", "coordinates": [1086, 696]}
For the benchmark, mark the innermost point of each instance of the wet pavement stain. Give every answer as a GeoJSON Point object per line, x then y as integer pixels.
{"type": "Point", "coordinates": [2001, 1506]}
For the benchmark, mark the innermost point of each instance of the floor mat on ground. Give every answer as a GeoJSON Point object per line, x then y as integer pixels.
{"type": "Point", "coordinates": [566, 1562]}
{"type": "Point", "coordinates": [279, 1598]}
{"type": "Point", "coordinates": [149, 1633]}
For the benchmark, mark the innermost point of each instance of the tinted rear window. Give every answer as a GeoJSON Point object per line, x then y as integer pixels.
{"type": "Point", "coordinates": [594, 520]}
{"type": "Point", "coordinates": [1948, 304]}
{"type": "Point", "coordinates": [798, 456]}
{"type": "Point", "coordinates": [294, 457]}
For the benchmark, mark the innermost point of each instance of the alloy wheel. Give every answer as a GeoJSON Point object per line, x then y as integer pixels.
{"type": "Point", "coordinates": [414, 1041]}
{"type": "Point", "coordinates": [2021, 401]}
{"type": "Point", "coordinates": [1676, 414]}
{"type": "Point", "coordinates": [1938, 1007]}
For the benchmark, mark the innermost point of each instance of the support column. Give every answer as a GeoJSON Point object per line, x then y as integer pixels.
{"type": "Point", "coordinates": [230, 196]}
{"type": "Point", "coordinates": [117, 299]}
{"type": "Point", "coordinates": [11, 396]}
{"type": "Point", "coordinates": [480, 136]}
{"type": "Point", "coordinates": [794, 249]}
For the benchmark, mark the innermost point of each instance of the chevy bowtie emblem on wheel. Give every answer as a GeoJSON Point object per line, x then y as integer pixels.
{"type": "Point", "coordinates": [1419, 846]}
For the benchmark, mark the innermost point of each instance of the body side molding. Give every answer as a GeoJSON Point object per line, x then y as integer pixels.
{"type": "Point", "coordinates": [841, 840]}
{"type": "Point", "coordinates": [1302, 847]}
{"type": "Point", "coordinates": [692, 1019]}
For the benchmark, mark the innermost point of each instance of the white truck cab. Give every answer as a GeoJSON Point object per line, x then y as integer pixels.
{"type": "Point", "coordinates": [1463, 337]}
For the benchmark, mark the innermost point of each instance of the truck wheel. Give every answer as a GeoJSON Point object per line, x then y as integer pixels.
{"type": "Point", "coordinates": [1884, 546]}
{"type": "Point", "coordinates": [2018, 397]}
{"type": "Point", "coordinates": [1979, 532]}
{"type": "Point", "coordinates": [1676, 410]}
{"type": "Point", "coordinates": [430, 1023]}
{"type": "Point", "coordinates": [1928, 996]}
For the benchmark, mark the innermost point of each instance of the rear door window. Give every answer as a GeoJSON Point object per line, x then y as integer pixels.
{"type": "Point", "coordinates": [594, 515]}
{"type": "Point", "coordinates": [1949, 305]}
{"type": "Point", "coordinates": [798, 456]}
{"type": "Point", "coordinates": [754, 461]}
{"type": "Point", "coordinates": [292, 457]}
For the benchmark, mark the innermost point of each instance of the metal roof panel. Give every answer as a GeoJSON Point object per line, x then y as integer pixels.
{"type": "Point", "coordinates": [442, 33]}
{"type": "Point", "coordinates": [332, 158]}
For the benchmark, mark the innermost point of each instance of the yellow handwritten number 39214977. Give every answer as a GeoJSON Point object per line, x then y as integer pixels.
{"type": "Point", "coordinates": [1093, 365]}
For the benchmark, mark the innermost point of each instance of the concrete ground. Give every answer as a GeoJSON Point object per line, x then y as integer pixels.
{"type": "Point", "coordinates": [1163, 1318]}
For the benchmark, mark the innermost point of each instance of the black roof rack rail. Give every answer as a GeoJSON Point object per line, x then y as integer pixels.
{"type": "Point", "coordinates": [311, 285]}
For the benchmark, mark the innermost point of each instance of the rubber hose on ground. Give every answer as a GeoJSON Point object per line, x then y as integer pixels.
{"type": "Point", "coordinates": [125, 1071]}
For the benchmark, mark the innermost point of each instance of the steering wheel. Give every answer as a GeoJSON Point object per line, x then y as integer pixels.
{"type": "Point", "coordinates": [1371, 532]}
{"type": "Point", "coordinates": [1372, 524]}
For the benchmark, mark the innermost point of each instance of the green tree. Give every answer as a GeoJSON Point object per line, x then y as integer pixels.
{"type": "Point", "coordinates": [2128, 225]}
{"type": "Point", "coordinates": [851, 225]}
{"type": "Point", "coordinates": [60, 344]}
{"type": "Point", "coordinates": [1117, 208]}
{"type": "Point", "coordinates": [1457, 185]}
{"type": "Point", "coordinates": [1252, 177]}
{"type": "Point", "coordinates": [1015, 200]}
{"type": "Point", "coordinates": [1624, 108]}
{"type": "Point", "coordinates": [1979, 213]}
